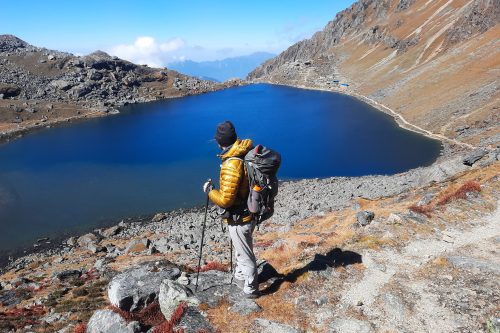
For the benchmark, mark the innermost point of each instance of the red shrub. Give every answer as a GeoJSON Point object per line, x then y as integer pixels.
{"type": "Point", "coordinates": [92, 274]}
{"type": "Point", "coordinates": [80, 328]}
{"type": "Point", "coordinates": [213, 266]}
{"type": "Point", "coordinates": [128, 316]}
{"type": "Point", "coordinates": [424, 210]}
{"type": "Point", "coordinates": [461, 193]}
{"type": "Point", "coordinates": [21, 317]}
{"type": "Point", "coordinates": [151, 315]}
{"type": "Point", "coordinates": [268, 243]}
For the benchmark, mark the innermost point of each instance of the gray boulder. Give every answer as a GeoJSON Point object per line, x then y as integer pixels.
{"type": "Point", "coordinates": [474, 156]}
{"type": "Point", "coordinates": [107, 321]}
{"type": "Point", "coordinates": [88, 241]}
{"type": "Point", "coordinates": [80, 90]}
{"type": "Point", "coordinates": [365, 217]}
{"type": "Point", "coordinates": [113, 231]}
{"type": "Point", "coordinates": [138, 245]}
{"type": "Point", "coordinates": [60, 84]}
{"type": "Point", "coordinates": [68, 274]}
{"type": "Point", "coordinates": [172, 294]}
{"type": "Point", "coordinates": [245, 307]}
{"type": "Point", "coordinates": [138, 287]}
{"type": "Point", "coordinates": [94, 75]}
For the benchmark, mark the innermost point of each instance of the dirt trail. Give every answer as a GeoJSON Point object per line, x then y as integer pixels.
{"type": "Point", "coordinates": [388, 266]}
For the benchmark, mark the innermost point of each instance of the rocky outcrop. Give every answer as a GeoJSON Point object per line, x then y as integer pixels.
{"type": "Point", "coordinates": [11, 43]}
{"type": "Point", "coordinates": [478, 18]}
{"type": "Point", "coordinates": [107, 321]}
{"type": "Point", "coordinates": [172, 294]}
{"type": "Point", "coordinates": [134, 289]}
{"type": "Point", "coordinates": [428, 61]}
{"type": "Point", "coordinates": [32, 78]}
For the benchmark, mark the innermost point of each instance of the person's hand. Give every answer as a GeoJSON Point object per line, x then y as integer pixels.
{"type": "Point", "coordinates": [207, 187]}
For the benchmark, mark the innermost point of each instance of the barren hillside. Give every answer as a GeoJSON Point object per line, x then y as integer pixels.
{"type": "Point", "coordinates": [436, 63]}
{"type": "Point", "coordinates": [39, 87]}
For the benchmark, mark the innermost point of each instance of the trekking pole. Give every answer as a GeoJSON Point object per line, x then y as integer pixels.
{"type": "Point", "coordinates": [201, 244]}
{"type": "Point", "coordinates": [231, 259]}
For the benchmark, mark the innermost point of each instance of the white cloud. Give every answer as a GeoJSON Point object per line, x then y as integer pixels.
{"type": "Point", "coordinates": [145, 50]}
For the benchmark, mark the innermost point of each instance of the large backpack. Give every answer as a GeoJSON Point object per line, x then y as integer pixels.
{"type": "Point", "coordinates": [262, 165]}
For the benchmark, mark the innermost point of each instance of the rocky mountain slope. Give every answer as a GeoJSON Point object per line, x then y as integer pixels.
{"type": "Point", "coordinates": [435, 63]}
{"type": "Point", "coordinates": [39, 87]}
{"type": "Point", "coordinates": [414, 252]}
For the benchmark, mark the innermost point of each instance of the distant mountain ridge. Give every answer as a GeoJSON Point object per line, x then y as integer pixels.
{"type": "Point", "coordinates": [433, 62]}
{"type": "Point", "coordinates": [222, 70]}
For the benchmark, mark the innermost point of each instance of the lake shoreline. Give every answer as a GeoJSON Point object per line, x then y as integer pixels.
{"type": "Point", "coordinates": [450, 147]}
{"type": "Point", "coordinates": [446, 153]}
{"type": "Point", "coordinates": [325, 194]}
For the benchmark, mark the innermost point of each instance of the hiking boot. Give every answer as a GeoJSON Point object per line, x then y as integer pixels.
{"type": "Point", "coordinates": [239, 283]}
{"type": "Point", "coordinates": [253, 295]}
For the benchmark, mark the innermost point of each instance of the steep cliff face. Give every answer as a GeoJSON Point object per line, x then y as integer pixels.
{"type": "Point", "coordinates": [434, 62]}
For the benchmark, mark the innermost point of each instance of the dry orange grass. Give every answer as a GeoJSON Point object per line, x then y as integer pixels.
{"type": "Point", "coordinates": [460, 193]}
{"type": "Point", "coordinates": [274, 308]}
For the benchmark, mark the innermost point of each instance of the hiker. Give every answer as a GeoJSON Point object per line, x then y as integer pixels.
{"type": "Point", "coordinates": [232, 197]}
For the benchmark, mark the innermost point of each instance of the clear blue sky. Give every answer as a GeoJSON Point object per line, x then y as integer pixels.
{"type": "Point", "coordinates": [196, 29]}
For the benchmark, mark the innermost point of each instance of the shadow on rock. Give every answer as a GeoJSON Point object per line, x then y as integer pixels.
{"type": "Point", "coordinates": [334, 258]}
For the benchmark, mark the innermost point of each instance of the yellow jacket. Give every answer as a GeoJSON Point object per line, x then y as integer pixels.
{"type": "Point", "coordinates": [233, 177]}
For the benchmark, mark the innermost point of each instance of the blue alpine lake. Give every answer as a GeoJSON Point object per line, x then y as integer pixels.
{"type": "Point", "coordinates": [155, 156]}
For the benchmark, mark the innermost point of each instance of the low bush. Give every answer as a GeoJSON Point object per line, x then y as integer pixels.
{"type": "Point", "coordinates": [461, 193]}
{"type": "Point", "coordinates": [80, 328]}
{"type": "Point", "coordinates": [426, 210]}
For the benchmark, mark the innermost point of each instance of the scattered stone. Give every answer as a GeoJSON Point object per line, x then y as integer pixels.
{"type": "Point", "coordinates": [260, 325]}
{"type": "Point", "coordinates": [364, 218]}
{"type": "Point", "coordinates": [395, 218]}
{"type": "Point", "coordinates": [41, 240]}
{"type": "Point", "coordinates": [87, 239]}
{"type": "Point", "coordinates": [94, 248]}
{"type": "Point", "coordinates": [138, 246]}
{"type": "Point", "coordinates": [61, 84]}
{"type": "Point", "coordinates": [159, 217]}
{"type": "Point", "coordinates": [51, 57]}
{"type": "Point", "coordinates": [68, 274]}
{"type": "Point", "coordinates": [172, 294]}
{"type": "Point", "coordinates": [474, 264]}
{"type": "Point", "coordinates": [71, 241]}
{"type": "Point", "coordinates": [474, 156]}
{"type": "Point", "coordinates": [194, 321]}
{"type": "Point", "coordinates": [138, 287]}
{"type": "Point", "coordinates": [426, 199]}
{"type": "Point", "coordinates": [107, 321]}
{"type": "Point", "coordinates": [183, 279]}
{"type": "Point", "coordinates": [245, 307]}
{"type": "Point", "coordinates": [113, 231]}
{"type": "Point", "coordinates": [321, 301]}
{"type": "Point", "coordinates": [10, 298]}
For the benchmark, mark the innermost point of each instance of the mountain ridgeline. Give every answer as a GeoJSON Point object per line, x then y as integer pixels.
{"type": "Point", "coordinates": [433, 62]}
{"type": "Point", "coordinates": [222, 70]}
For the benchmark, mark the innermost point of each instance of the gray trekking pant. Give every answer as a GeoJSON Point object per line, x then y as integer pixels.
{"type": "Point", "coordinates": [246, 265]}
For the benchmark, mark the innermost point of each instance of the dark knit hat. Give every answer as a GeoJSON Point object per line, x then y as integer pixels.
{"type": "Point", "coordinates": [225, 134]}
